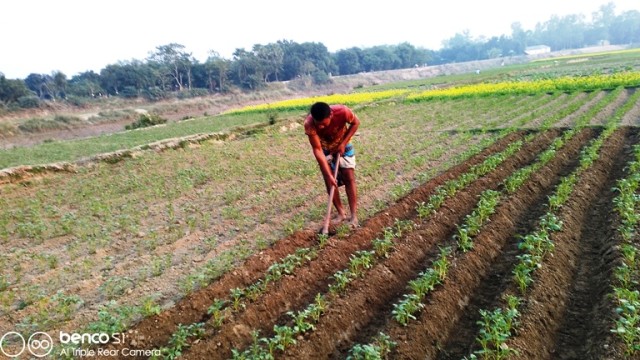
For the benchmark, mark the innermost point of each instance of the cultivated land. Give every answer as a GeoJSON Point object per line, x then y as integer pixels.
{"type": "Point", "coordinates": [210, 250]}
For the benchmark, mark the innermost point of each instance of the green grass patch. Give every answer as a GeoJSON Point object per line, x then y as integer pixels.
{"type": "Point", "coordinates": [58, 151]}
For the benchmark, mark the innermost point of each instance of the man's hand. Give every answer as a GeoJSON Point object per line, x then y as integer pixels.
{"type": "Point", "coordinates": [331, 181]}
{"type": "Point", "coordinates": [341, 149]}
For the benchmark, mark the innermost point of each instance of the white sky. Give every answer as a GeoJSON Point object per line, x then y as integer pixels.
{"type": "Point", "coordinates": [72, 36]}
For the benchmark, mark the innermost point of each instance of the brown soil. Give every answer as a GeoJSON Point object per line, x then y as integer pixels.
{"type": "Point", "coordinates": [371, 298]}
{"type": "Point", "coordinates": [491, 262]}
{"type": "Point", "coordinates": [442, 319]}
{"type": "Point", "coordinates": [567, 313]}
{"type": "Point", "coordinates": [155, 331]}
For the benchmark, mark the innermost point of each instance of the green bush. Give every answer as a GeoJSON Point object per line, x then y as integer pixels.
{"type": "Point", "coordinates": [154, 94]}
{"type": "Point", "coordinates": [146, 120]}
{"type": "Point", "coordinates": [272, 116]}
{"type": "Point", "coordinates": [321, 77]}
{"type": "Point", "coordinates": [28, 102]}
{"type": "Point", "coordinates": [196, 92]}
{"type": "Point", "coordinates": [129, 92]}
{"type": "Point", "coordinates": [79, 101]}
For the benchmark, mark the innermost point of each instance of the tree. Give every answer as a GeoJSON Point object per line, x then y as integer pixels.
{"type": "Point", "coordinates": [461, 47]}
{"type": "Point", "coordinates": [562, 32]}
{"type": "Point", "coordinates": [626, 28]}
{"type": "Point", "coordinates": [501, 46]}
{"type": "Point", "coordinates": [110, 79]}
{"type": "Point", "coordinates": [217, 70]}
{"type": "Point", "coordinates": [520, 38]}
{"type": "Point", "coordinates": [601, 23]}
{"type": "Point", "coordinates": [348, 61]}
{"type": "Point", "coordinates": [408, 55]}
{"type": "Point", "coordinates": [86, 84]}
{"type": "Point", "coordinates": [37, 84]}
{"type": "Point", "coordinates": [134, 76]}
{"type": "Point", "coordinates": [379, 58]}
{"type": "Point", "coordinates": [60, 84]}
{"type": "Point", "coordinates": [175, 62]}
{"type": "Point", "coordinates": [246, 69]}
{"type": "Point", "coordinates": [12, 90]}
{"type": "Point", "coordinates": [304, 59]}
{"type": "Point", "coordinates": [272, 58]}
{"type": "Point", "coordinates": [319, 56]}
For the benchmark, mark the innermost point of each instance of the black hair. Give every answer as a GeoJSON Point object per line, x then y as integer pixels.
{"type": "Point", "coordinates": [320, 111]}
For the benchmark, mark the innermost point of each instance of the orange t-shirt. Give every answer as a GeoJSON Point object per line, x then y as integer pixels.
{"type": "Point", "coordinates": [332, 135]}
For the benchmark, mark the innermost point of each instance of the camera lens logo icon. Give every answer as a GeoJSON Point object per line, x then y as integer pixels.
{"type": "Point", "coordinates": [40, 344]}
{"type": "Point", "coordinates": [12, 335]}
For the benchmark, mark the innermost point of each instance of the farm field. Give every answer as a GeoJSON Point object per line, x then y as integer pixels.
{"type": "Point", "coordinates": [477, 212]}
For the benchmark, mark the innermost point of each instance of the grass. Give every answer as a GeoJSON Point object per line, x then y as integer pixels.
{"type": "Point", "coordinates": [57, 151]}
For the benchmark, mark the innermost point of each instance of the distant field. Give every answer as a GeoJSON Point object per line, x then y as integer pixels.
{"type": "Point", "coordinates": [55, 151]}
{"type": "Point", "coordinates": [211, 250]}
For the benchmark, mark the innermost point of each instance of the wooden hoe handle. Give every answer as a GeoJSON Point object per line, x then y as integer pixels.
{"type": "Point", "coordinates": [327, 219]}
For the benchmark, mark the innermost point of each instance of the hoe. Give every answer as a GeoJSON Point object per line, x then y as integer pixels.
{"type": "Point", "coordinates": [327, 219]}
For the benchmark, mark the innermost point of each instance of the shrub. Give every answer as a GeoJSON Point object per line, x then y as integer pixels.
{"type": "Point", "coordinates": [191, 93]}
{"type": "Point", "coordinates": [28, 102]}
{"type": "Point", "coordinates": [154, 93]}
{"type": "Point", "coordinates": [66, 119]}
{"type": "Point", "coordinates": [7, 129]}
{"type": "Point", "coordinates": [321, 77]}
{"type": "Point", "coordinates": [79, 101]}
{"type": "Point", "coordinates": [34, 125]}
{"type": "Point", "coordinates": [146, 120]}
{"type": "Point", "coordinates": [129, 92]}
{"type": "Point", "coordinates": [272, 116]}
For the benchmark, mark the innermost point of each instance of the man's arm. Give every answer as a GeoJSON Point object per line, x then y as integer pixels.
{"type": "Point", "coordinates": [316, 148]}
{"type": "Point", "coordinates": [353, 127]}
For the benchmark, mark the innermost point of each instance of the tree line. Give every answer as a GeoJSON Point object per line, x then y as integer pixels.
{"type": "Point", "coordinates": [170, 70]}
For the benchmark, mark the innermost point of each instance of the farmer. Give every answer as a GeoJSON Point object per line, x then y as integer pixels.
{"type": "Point", "coordinates": [330, 129]}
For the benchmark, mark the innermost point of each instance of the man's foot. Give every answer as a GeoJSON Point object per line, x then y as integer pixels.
{"type": "Point", "coordinates": [353, 223]}
{"type": "Point", "coordinates": [338, 219]}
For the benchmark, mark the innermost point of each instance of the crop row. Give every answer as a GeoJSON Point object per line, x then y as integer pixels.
{"type": "Point", "coordinates": [627, 274]}
{"type": "Point", "coordinates": [363, 260]}
{"type": "Point", "coordinates": [497, 324]}
{"type": "Point", "coordinates": [539, 86]}
{"type": "Point", "coordinates": [489, 199]}
{"type": "Point", "coordinates": [86, 231]}
{"type": "Point", "coordinates": [342, 277]}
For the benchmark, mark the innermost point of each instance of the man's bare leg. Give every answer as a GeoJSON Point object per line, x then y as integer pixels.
{"type": "Point", "coordinates": [337, 203]}
{"type": "Point", "coordinates": [349, 178]}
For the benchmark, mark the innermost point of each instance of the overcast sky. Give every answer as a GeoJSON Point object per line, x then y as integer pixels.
{"type": "Point", "coordinates": [73, 36]}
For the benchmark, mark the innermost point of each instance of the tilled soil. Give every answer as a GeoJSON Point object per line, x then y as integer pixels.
{"type": "Point", "coordinates": [155, 331]}
{"type": "Point", "coordinates": [566, 314]}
